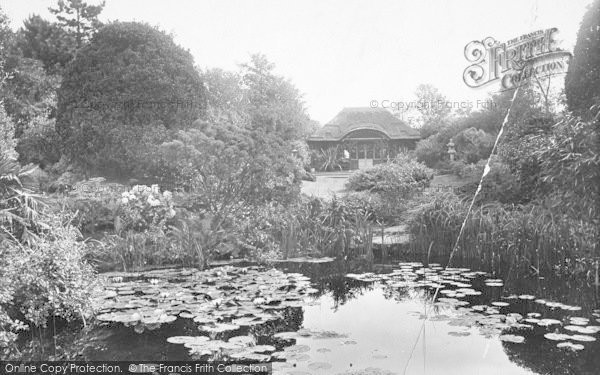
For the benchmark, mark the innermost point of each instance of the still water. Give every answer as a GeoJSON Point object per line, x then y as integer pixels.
{"type": "Point", "coordinates": [332, 319]}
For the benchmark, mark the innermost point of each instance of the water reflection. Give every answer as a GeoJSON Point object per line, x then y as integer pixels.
{"type": "Point", "coordinates": [356, 316]}
{"type": "Point", "coordinates": [377, 310]}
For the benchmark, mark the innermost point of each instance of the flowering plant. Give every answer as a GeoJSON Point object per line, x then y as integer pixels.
{"type": "Point", "coordinates": [144, 207]}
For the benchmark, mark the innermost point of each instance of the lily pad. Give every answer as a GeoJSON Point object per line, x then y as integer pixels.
{"type": "Point", "coordinates": [298, 349]}
{"type": "Point", "coordinates": [219, 328]}
{"type": "Point", "coordinates": [516, 339]}
{"type": "Point", "coordinates": [187, 340]}
{"type": "Point", "coordinates": [570, 346]}
{"type": "Point", "coordinates": [286, 335]}
{"type": "Point", "coordinates": [242, 340]}
{"type": "Point", "coordinates": [556, 336]}
{"type": "Point", "coordinates": [262, 349]}
{"type": "Point", "coordinates": [250, 356]}
{"type": "Point", "coordinates": [548, 322]}
{"type": "Point", "coordinates": [459, 333]}
{"type": "Point", "coordinates": [527, 297]}
{"type": "Point", "coordinates": [583, 338]}
{"type": "Point", "coordinates": [319, 366]}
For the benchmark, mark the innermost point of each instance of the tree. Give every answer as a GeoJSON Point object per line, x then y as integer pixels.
{"type": "Point", "coordinates": [582, 83]}
{"type": "Point", "coordinates": [126, 92]}
{"type": "Point", "coordinates": [274, 104]}
{"type": "Point", "coordinates": [230, 172]}
{"type": "Point", "coordinates": [46, 41]}
{"type": "Point", "coordinates": [473, 145]}
{"type": "Point", "coordinates": [27, 91]}
{"type": "Point", "coordinates": [79, 18]}
{"type": "Point", "coordinates": [433, 109]}
{"type": "Point", "coordinates": [225, 96]}
{"type": "Point", "coordinates": [7, 128]}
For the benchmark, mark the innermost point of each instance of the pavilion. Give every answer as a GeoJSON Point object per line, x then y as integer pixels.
{"type": "Point", "coordinates": [365, 136]}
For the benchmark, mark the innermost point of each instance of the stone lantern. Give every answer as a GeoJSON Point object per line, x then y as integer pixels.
{"type": "Point", "coordinates": [451, 150]}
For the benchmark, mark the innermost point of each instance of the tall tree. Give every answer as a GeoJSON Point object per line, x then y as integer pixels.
{"type": "Point", "coordinates": [79, 18]}
{"type": "Point", "coordinates": [128, 90]}
{"type": "Point", "coordinates": [433, 110]}
{"type": "Point", "coordinates": [582, 83]}
{"type": "Point", "coordinates": [7, 129]}
{"type": "Point", "coordinates": [274, 104]}
{"type": "Point", "coordinates": [27, 90]}
{"type": "Point", "coordinates": [46, 41]}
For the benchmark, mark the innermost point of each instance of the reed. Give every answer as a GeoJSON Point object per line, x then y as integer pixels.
{"type": "Point", "coordinates": [529, 238]}
{"type": "Point", "coordinates": [320, 228]}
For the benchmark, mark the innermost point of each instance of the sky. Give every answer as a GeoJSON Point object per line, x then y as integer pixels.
{"type": "Point", "coordinates": [345, 53]}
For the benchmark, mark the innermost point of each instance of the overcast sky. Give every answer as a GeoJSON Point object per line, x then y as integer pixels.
{"type": "Point", "coordinates": [342, 53]}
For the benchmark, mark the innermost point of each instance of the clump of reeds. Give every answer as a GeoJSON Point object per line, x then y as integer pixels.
{"type": "Point", "coordinates": [529, 238]}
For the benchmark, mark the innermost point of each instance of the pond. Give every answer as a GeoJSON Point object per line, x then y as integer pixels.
{"type": "Point", "coordinates": [403, 318]}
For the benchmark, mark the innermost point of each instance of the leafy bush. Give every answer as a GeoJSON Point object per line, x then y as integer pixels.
{"type": "Point", "coordinates": [569, 166]}
{"type": "Point", "coordinates": [403, 176]}
{"type": "Point", "coordinates": [328, 159]}
{"type": "Point", "coordinates": [143, 207]}
{"type": "Point", "coordinates": [50, 277]}
{"type": "Point", "coordinates": [39, 143]}
{"type": "Point", "coordinates": [430, 150]}
{"type": "Point", "coordinates": [19, 205]}
{"type": "Point", "coordinates": [42, 262]}
{"type": "Point", "coordinates": [146, 230]}
{"type": "Point", "coordinates": [473, 145]}
{"type": "Point", "coordinates": [227, 167]}
{"type": "Point", "coordinates": [7, 134]}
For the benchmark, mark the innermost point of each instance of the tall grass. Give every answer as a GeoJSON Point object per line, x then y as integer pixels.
{"type": "Point", "coordinates": [526, 238]}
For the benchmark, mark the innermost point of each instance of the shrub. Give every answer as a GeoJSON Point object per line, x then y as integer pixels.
{"type": "Point", "coordinates": [430, 151]}
{"type": "Point", "coordinates": [146, 229]}
{"type": "Point", "coordinates": [42, 267]}
{"type": "Point", "coordinates": [50, 277]}
{"type": "Point", "coordinates": [328, 159]}
{"type": "Point", "coordinates": [473, 145]}
{"type": "Point", "coordinates": [19, 205]}
{"type": "Point", "coordinates": [39, 143]}
{"type": "Point", "coordinates": [569, 166]}
{"type": "Point", "coordinates": [403, 176]}
{"type": "Point", "coordinates": [7, 134]}
{"type": "Point", "coordinates": [143, 207]}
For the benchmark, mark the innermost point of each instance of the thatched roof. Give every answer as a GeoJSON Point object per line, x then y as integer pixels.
{"type": "Point", "coordinates": [350, 119]}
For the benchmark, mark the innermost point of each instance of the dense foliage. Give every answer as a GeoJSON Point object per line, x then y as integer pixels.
{"type": "Point", "coordinates": [42, 260]}
{"type": "Point", "coordinates": [126, 92]}
{"type": "Point", "coordinates": [402, 176]}
{"type": "Point", "coordinates": [582, 83]}
{"type": "Point", "coordinates": [526, 239]}
{"type": "Point", "coordinates": [214, 161]}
